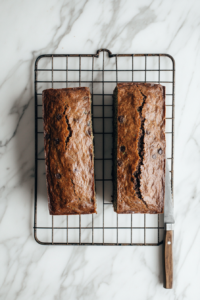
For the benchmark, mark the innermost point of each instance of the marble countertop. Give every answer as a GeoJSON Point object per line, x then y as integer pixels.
{"type": "Point", "coordinates": [31, 28]}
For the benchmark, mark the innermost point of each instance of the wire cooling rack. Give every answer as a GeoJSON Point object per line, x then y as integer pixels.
{"type": "Point", "coordinates": [100, 72]}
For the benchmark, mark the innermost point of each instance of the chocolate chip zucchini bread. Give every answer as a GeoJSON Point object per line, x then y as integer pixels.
{"type": "Point", "coordinates": [139, 148]}
{"type": "Point", "coordinates": [69, 158]}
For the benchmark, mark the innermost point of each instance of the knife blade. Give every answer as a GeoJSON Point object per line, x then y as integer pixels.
{"type": "Point", "coordinates": [169, 229]}
{"type": "Point", "coordinates": [168, 206]}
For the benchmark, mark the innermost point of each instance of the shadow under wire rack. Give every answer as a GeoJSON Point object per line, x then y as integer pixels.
{"type": "Point", "coordinates": [100, 72]}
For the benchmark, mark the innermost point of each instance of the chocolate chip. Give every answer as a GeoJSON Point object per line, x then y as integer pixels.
{"type": "Point", "coordinates": [154, 156]}
{"type": "Point", "coordinates": [147, 132]}
{"type": "Point", "coordinates": [56, 141]}
{"type": "Point", "coordinates": [122, 148]}
{"type": "Point", "coordinates": [119, 163]}
{"type": "Point", "coordinates": [89, 131]}
{"type": "Point", "coordinates": [142, 153]}
{"type": "Point", "coordinates": [58, 176]}
{"type": "Point", "coordinates": [136, 172]}
{"type": "Point", "coordinates": [160, 151]}
{"type": "Point", "coordinates": [47, 136]}
{"type": "Point", "coordinates": [59, 116]}
{"type": "Point", "coordinates": [121, 119]}
{"type": "Point", "coordinates": [75, 170]}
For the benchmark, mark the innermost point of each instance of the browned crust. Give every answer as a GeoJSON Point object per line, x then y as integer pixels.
{"type": "Point", "coordinates": [141, 106]}
{"type": "Point", "coordinates": [68, 142]}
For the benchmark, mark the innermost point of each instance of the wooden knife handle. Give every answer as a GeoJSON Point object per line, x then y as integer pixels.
{"type": "Point", "coordinates": [168, 259]}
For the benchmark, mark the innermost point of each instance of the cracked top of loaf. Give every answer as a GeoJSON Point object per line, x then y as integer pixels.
{"type": "Point", "coordinates": [139, 147]}
{"type": "Point", "coordinates": [68, 142]}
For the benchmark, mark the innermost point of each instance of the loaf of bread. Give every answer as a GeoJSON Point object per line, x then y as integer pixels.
{"type": "Point", "coordinates": [68, 141]}
{"type": "Point", "coordinates": [139, 148]}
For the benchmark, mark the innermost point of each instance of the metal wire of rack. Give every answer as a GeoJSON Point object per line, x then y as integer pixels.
{"type": "Point", "coordinates": [101, 75]}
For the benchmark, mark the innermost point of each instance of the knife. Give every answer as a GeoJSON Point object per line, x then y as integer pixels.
{"type": "Point", "coordinates": [168, 232]}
